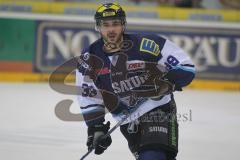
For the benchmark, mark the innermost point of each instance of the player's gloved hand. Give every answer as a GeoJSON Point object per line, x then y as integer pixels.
{"type": "Point", "coordinates": [95, 140]}
{"type": "Point", "coordinates": [158, 88]}
{"type": "Point", "coordinates": [164, 87]}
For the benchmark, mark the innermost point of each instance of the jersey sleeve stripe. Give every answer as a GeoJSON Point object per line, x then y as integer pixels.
{"type": "Point", "coordinates": [93, 110]}
{"type": "Point", "coordinates": [187, 65]}
{"type": "Point", "coordinates": [188, 69]}
{"type": "Point", "coordinates": [92, 105]}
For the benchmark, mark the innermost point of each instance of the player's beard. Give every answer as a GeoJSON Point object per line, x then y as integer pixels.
{"type": "Point", "coordinates": [113, 40]}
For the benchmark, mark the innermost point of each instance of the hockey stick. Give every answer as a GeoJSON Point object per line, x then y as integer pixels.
{"type": "Point", "coordinates": [151, 91]}
{"type": "Point", "coordinates": [126, 116]}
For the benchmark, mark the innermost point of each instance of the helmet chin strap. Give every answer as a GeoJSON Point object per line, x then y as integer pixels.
{"type": "Point", "coordinates": [96, 28]}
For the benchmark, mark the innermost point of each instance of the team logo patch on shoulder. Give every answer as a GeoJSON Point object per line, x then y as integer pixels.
{"type": "Point", "coordinates": [149, 46]}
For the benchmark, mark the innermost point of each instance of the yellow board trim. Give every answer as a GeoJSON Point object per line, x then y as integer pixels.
{"type": "Point", "coordinates": [215, 85]}
{"type": "Point", "coordinates": [28, 77]}
{"type": "Point", "coordinates": [162, 12]}
{"type": "Point", "coordinates": [196, 84]}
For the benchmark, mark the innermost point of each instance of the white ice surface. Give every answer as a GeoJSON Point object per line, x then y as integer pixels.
{"type": "Point", "coordinates": [30, 130]}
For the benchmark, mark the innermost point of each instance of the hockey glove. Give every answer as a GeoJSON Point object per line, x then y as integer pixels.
{"type": "Point", "coordinates": [159, 88]}
{"type": "Point", "coordinates": [95, 140]}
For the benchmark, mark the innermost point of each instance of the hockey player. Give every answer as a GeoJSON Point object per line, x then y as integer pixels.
{"type": "Point", "coordinates": [122, 72]}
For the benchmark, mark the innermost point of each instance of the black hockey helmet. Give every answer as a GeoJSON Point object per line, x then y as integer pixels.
{"type": "Point", "coordinates": [110, 11]}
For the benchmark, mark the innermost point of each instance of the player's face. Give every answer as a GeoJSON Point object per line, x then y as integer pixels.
{"type": "Point", "coordinates": [111, 30]}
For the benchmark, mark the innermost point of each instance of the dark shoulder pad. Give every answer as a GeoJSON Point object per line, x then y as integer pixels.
{"type": "Point", "coordinates": [83, 59]}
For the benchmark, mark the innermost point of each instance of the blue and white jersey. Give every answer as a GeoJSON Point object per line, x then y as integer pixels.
{"type": "Point", "coordinates": [108, 79]}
